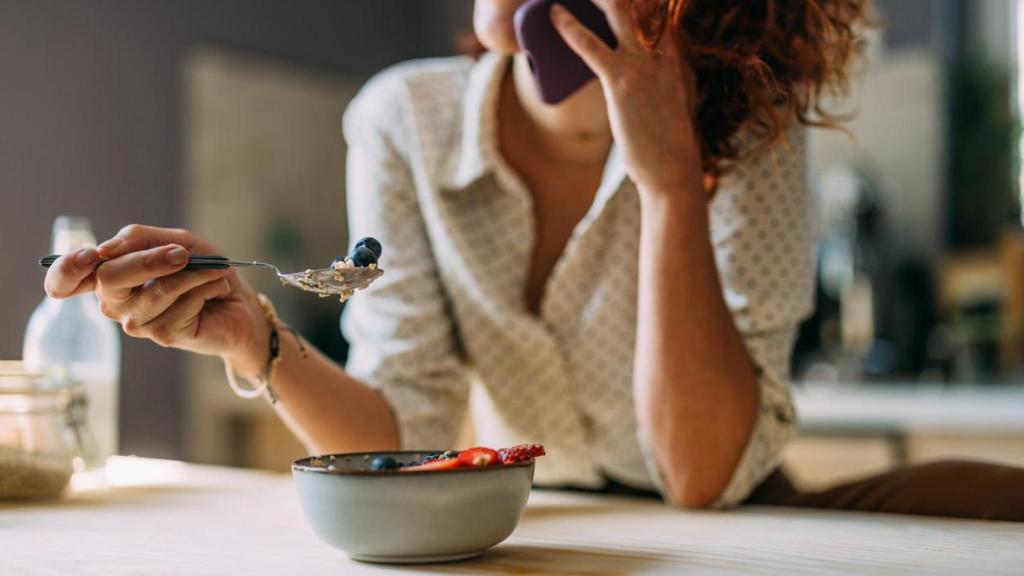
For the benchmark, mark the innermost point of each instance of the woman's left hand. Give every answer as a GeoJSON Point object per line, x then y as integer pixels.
{"type": "Point", "coordinates": [650, 95]}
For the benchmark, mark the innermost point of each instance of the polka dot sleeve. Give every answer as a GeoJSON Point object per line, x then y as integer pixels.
{"type": "Point", "coordinates": [401, 333]}
{"type": "Point", "coordinates": [762, 235]}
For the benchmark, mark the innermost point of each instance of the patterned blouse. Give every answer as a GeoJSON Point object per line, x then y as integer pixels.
{"type": "Point", "coordinates": [446, 331]}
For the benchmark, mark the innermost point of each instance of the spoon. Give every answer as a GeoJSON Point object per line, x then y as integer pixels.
{"type": "Point", "coordinates": [341, 280]}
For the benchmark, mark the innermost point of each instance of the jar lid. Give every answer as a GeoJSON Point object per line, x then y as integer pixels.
{"type": "Point", "coordinates": [13, 368]}
{"type": "Point", "coordinates": [16, 379]}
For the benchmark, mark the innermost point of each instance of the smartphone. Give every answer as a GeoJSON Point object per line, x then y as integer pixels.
{"type": "Point", "coordinates": [557, 70]}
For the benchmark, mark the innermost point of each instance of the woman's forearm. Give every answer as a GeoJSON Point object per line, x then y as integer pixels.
{"type": "Point", "coordinates": [695, 388]}
{"type": "Point", "coordinates": [326, 408]}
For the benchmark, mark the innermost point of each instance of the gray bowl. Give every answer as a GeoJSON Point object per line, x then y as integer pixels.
{"type": "Point", "coordinates": [410, 517]}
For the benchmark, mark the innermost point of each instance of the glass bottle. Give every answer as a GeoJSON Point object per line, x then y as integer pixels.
{"type": "Point", "coordinates": [71, 341]}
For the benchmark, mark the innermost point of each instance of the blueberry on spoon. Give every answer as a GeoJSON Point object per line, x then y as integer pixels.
{"type": "Point", "coordinates": [373, 244]}
{"type": "Point", "coordinates": [362, 256]}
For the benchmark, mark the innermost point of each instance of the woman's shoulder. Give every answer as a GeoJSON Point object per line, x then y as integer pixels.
{"type": "Point", "coordinates": [777, 167]}
{"type": "Point", "coordinates": [762, 228]}
{"type": "Point", "coordinates": [399, 94]}
{"type": "Point", "coordinates": [449, 73]}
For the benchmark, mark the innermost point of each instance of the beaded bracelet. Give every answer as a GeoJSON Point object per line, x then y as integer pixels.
{"type": "Point", "coordinates": [261, 386]}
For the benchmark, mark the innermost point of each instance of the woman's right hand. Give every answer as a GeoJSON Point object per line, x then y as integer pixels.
{"type": "Point", "coordinates": [141, 285]}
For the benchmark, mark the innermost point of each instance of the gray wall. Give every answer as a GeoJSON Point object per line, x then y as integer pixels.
{"type": "Point", "coordinates": [90, 124]}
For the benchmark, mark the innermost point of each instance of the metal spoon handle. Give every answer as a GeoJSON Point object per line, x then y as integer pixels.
{"type": "Point", "coordinates": [195, 262]}
{"type": "Point", "coordinates": [250, 264]}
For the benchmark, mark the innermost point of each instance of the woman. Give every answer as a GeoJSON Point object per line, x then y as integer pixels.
{"type": "Point", "coordinates": [622, 273]}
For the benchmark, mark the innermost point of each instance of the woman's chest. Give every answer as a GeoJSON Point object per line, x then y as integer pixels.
{"type": "Point", "coordinates": [501, 244]}
{"type": "Point", "coordinates": [560, 198]}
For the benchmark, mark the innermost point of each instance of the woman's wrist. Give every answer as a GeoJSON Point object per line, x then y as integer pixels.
{"type": "Point", "coordinates": [678, 218]}
{"type": "Point", "coordinates": [251, 356]}
{"type": "Point", "coordinates": [683, 184]}
{"type": "Point", "coordinates": [681, 199]}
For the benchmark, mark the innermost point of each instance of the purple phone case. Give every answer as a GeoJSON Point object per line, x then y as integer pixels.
{"type": "Point", "coordinates": [557, 70]}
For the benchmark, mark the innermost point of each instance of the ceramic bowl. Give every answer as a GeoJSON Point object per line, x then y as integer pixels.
{"type": "Point", "coordinates": [410, 517]}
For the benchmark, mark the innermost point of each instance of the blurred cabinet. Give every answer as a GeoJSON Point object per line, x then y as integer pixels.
{"type": "Point", "coordinates": [816, 461]}
{"type": "Point", "coordinates": [265, 170]}
{"type": "Point", "coordinates": [993, 276]}
{"type": "Point", "coordinates": [846, 434]}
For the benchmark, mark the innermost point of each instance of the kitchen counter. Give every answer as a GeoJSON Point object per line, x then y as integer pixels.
{"type": "Point", "coordinates": [164, 517]}
{"type": "Point", "coordinates": [901, 408]}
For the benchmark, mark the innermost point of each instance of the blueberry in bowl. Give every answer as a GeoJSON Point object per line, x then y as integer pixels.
{"type": "Point", "coordinates": [416, 507]}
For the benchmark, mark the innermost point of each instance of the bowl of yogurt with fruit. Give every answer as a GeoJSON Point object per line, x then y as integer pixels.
{"type": "Point", "coordinates": [416, 507]}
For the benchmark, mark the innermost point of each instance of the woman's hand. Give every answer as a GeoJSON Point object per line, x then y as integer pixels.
{"type": "Point", "coordinates": [140, 283]}
{"type": "Point", "coordinates": [650, 96]}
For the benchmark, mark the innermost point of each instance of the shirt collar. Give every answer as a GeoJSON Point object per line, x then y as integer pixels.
{"type": "Point", "coordinates": [612, 179]}
{"type": "Point", "coordinates": [479, 121]}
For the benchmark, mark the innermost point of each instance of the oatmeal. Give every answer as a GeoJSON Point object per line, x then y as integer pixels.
{"type": "Point", "coordinates": [32, 475]}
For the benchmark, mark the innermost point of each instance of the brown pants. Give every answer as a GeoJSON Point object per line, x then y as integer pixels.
{"type": "Point", "coordinates": [959, 489]}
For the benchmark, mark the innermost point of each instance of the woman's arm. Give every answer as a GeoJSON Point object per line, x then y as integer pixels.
{"type": "Point", "coordinates": [695, 389]}
{"type": "Point", "coordinates": [142, 287]}
{"type": "Point", "coordinates": [695, 386]}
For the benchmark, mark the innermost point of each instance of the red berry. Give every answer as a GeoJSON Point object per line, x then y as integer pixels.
{"type": "Point", "coordinates": [520, 453]}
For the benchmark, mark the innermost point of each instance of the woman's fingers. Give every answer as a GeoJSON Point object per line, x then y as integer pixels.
{"type": "Point", "coordinates": [156, 296]}
{"type": "Point", "coordinates": [117, 278]}
{"type": "Point", "coordinates": [180, 322]}
{"type": "Point", "coordinates": [72, 274]}
{"type": "Point", "coordinates": [136, 237]}
{"type": "Point", "coordinates": [598, 55]}
{"type": "Point", "coordinates": [620, 17]}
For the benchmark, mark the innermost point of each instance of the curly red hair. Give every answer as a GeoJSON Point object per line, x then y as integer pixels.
{"type": "Point", "coordinates": [766, 63]}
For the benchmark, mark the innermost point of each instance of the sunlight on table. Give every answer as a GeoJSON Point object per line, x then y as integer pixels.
{"type": "Point", "coordinates": [130, 471]}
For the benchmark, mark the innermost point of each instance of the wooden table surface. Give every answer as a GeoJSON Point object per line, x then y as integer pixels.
{"type": "Point", "coordinates": [163, 517]}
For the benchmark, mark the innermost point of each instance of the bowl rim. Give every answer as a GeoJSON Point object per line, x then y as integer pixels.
{"type": "Point", "coordinates": [302, 465]}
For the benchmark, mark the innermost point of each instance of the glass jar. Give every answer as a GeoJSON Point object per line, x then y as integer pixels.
{"type": "Point", "coordinates": [37, 441]}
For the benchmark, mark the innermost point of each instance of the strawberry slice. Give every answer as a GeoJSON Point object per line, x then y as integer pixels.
{"type": "Point", "coordinates": [478, 457]}
{"type": "Point", "coordinates": [520, 453]}
{"type": "Point", "coordinates": [436, 465]}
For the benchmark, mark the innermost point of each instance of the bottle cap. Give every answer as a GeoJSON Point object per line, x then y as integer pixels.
{"type": "Point", "coordinates": [72, 233]}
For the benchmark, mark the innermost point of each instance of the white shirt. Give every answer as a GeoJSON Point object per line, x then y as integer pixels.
{"type": "Point", "coordinates": [426, 177]}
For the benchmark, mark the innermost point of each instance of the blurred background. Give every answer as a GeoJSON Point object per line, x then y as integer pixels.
{"type": "Point", "coordinates": [224, 117]}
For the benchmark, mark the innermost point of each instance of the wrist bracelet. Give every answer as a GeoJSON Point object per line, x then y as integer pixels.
{"type": "Point", "coordinates": [261, 382]}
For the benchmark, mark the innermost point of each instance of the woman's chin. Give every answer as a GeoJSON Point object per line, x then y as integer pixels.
{"type": "Point", "coordinates": [493, 24]}
{"type": "Point", "coordinates": [500, 42]}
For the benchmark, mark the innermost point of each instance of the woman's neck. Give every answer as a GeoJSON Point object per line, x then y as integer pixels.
{"type": "Point", "coordinates": [575, 130]}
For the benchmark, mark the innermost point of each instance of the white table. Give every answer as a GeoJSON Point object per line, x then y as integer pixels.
{"type": "Point", "coordinates": [163, 517]}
